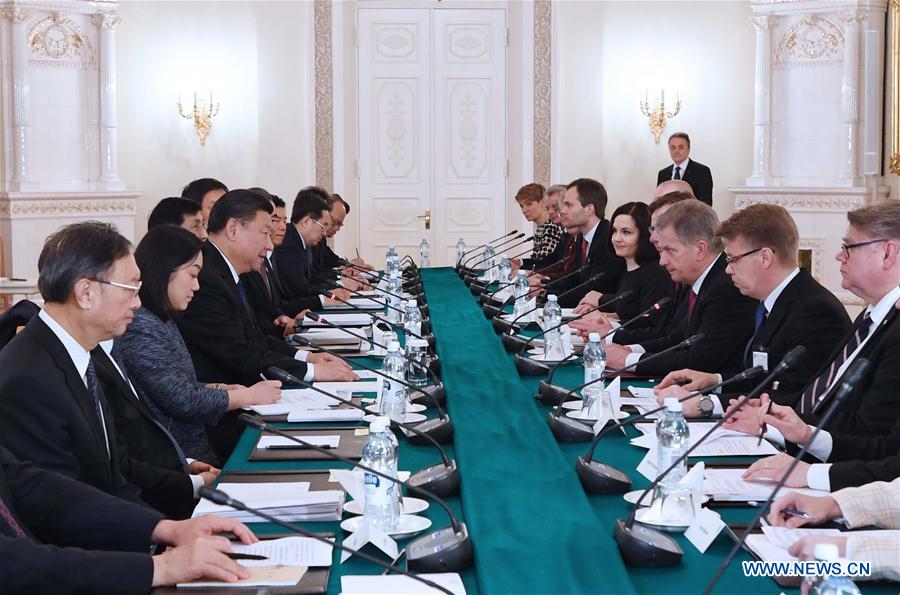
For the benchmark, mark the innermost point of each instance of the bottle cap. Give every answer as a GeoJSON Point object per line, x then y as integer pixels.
{"type": "Point", "coordinates": [826, 551]}
{"type": "Point", "coordinates": [395, 275]}
{"type": "Point", "coordinates": [404, 304]}
{"type": "Point", "coordinates": [521, 273]}
{"type": "Point", "coordinates": [594, 337]}
{"type": "Point", "coordinates": [505, 255]}
{"type": "Point", "coordinates": [393, 346]}
{"type": "Point", "coordinates": [551, 297]}
{"type": "Point", "coordinates": [379, 424]}
{"type": "Point", "coordinates": [673, 405]}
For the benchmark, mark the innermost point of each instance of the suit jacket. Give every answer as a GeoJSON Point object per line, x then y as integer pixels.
{"type": "Point", "coordinates": [154, 464]}
{"type": "Point", "coordinates": [600, 259]}
{"type": "Point", "coordinates": [722, 314]}
{"type": "Point", "coordinates": [296, 268]}
{"type": "Point", "coordinates": [264, 301]}
{"type": "Point", "coordinates": [47, 415]}
{"type": "Point", "coordinates": [804, 314]}
{"type": "Point", "coordinates": [858, 460]}
{"type": "Point", "coordinates": [696, 174]}
{"type": "Point", "coordinates": [221, 334]}
{"type": "Point", "coordinates": [324, 257]}
{"type": "Point", "coordinates": [60, 516]}
{"type": "Point", "coordinates": [672, 315]}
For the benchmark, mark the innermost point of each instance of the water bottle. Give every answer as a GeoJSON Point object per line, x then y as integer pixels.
{"type": "Point", "coordinates": [552, 320]}
{"type": "Point", "coordinates": [505, 269]}
{"type": "Point", "coordinates": [594, 361]}
{"type": "Point", "coordinates": [488, 263]}
{"type": "Point", "coordinates": [460, 249]}
{"type": "Point", "coordinates": [424, 254]}
{"type": "Point", "coordinates": [393, 394]}
{"type": "Point", "coordinates": [395, 287]}
{"type": "Point", "coordinates": [520, 290]}
{"type": "Point", "coordinates": [830, 584]}
{"type": "Point", "coordinates": [412, 319]}
{"type": "Point", "coordinates": [382, 497]}
{"type": "Point", "coordinates": [672, 435]}
{"type": "Point", "coordinates": [417, 361]}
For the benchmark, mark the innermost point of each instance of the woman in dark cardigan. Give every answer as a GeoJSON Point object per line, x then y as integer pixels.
{"type": "Point", "coordinates": [630, 238]}
{"type": "Point", "coordinates": [158, 362]}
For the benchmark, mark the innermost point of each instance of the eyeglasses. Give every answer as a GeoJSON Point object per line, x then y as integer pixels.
{"type": "Point", "coordinates": [734, 259]}
{"type": "Point", "coordinates": [324, 227]}
{"type": "Point", "coordinates": [133, 288]}
{"type": "Point", "coordinates": [845, 248]}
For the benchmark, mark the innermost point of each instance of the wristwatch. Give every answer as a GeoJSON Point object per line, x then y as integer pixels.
{"type": "Point", "coordinates": [706, 406]}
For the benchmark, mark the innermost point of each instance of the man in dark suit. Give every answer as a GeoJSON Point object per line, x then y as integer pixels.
{"type": "Point", "coordinates": [583, 208]}
{"type": "Point", "coordinates": [865, 425]}
{"type": "Point", "coordinates": [58, 535]}
{"type": "Point", "coordinates": [219, 327]}
{"type": "Point", "coordinates": [761, 242]}
{"type": "Point", "coordinates": [53, 410]}
{"type": "Point", "coordinates": [691, 252]}
{"type": "Point", "coordinates": [693, 172]}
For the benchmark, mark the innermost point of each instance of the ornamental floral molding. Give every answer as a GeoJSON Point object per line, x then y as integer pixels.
{"type": "Point", "coordinates": [324, 93]}
{"type": "Point", "coordinates": [813, 40]}
{"type": "Point", "coordinates": [55, 207]}
{"type": "Point", "coordinates": [542, 91]}
{"type": "Point", "coordinates": [57, 41]}
{"type": "Point", "coordinates": [802, 202]}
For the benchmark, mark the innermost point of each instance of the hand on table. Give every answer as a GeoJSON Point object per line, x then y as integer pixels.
{"type": "Point", "coordinates": [772, 469]}
{"type": "Point", "coordinates": [335, 372]}
{"type": "Point", "coordinates": [327, 358]}
{"type": "Point", "coordinates": [206, 471]}
{"type": "Point", "coordinates": [616, 354]}
{"type": "Point", "coordinates": [595, 322]}
{"type": "Point", "coordinates": [695, 380]}
{"type": "Point", "coordinates": [287, 323]}
{"type": "Point", "coordinates": [178, 533]}
{"type": "Point", "coordinates": [591, 298]}
{"type": "Point", "coordinates": [785, 420]}
{"type": "Point", "coordinates": [204, 557]}
{"type": "Point", "coordinates": [819, 509]}
{"type": "Point", "coordinates": [746, 419]}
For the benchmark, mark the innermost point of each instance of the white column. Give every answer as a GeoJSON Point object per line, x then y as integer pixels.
{"type": "Point", "coordinates": [762, 117]}
{"type": "Point", "coordinates": [21, 165]}
{"type": "Point", "coordinates": [109, 177]}
{"type": "Point", "coordinates": [850, 94]}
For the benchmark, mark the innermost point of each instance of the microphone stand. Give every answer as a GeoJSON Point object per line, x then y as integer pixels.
{"type": "Point", "coordinates": [506, 240]}
{"type": "Point", "coordinates": [478, 288]}
{"type": "Point", "coordinates": [223, 499]}
{"type": "Point", "coordinates": [643, 546]}
{"type": "Point", "coordinates": [447, 549]}
{"type": "Point", "coordinates": [856, 372]}
{"type": "Point", "coordinates": [470, 280]}
{"type": "Point", "coordinates": [501, 327]}
{"type": "Point", "coordinates": [459, 261]}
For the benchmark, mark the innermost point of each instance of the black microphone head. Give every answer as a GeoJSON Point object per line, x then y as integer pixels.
{"type": "Point", "coordinates": [297, 338]}
{"type": "Point", "coordinates": [284, 376]}
{"type": "Point", "coordinates": [750, 373]}
{"type": "Point", "coordinates": [694, 339]}
{"type": "Point", "coordinates": [857, 371]}
{"type": "Point", "coordinates": [595, 277]}
{"type": "Point", "coordinates": [312, 315]}
{"type": "Point", "coordinates": [214, 495]}
{"type": "Point", "coordinates": [528, 239]}
{"type": "Point", "coordinates": [252, 421]}
{"type": "Point", "coordinates": [791, 359]}
{"type": "Point", "coordinates": [661, 302]}
{"type": "Point", "coordinates": [625, 294]}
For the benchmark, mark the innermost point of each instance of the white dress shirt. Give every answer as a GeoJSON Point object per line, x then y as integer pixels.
{"type": "Point", "coordinates": [683, 165]}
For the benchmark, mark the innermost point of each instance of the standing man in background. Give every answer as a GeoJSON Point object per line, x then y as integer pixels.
{"type": "Point", "coordinates": [683, 168]}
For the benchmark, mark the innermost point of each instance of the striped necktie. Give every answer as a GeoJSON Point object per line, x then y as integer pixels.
{"type": "Point", "coordinates": [7, 515]}
{"type": "Point", "coordinates": [817, 389]}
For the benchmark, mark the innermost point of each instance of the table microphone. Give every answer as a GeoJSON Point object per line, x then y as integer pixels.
{"type": "Point", "coordinates": [478, 288]}
{"type": "Point", "coordinates": [496, 248]}
{"type": "Point", "coordinates": [442, 480]}
{"type": "Point", "coordinates": [599, 478]}
{"type": "Point", "coordinates": [459, 260]}
{"type": "Point", "coordinates": [550, 394]}
{"type": "Point", "coordinates": [429, 338]}
{"type": "Point", "coordinates": [427, 369]}
{"type": "Point", "coordinates": [566, 429]}
{"type": "Point", "coordinates": [221, 498]}
{"type": "Point", "coordinates": [503, 240]}
{"type": "Point", "coordinates": [506, 249]}
{"type": "Point", "coordinates": [425, 325]}
{"type": "Point", "coordinates": [855, 373]}
{"type": "Point", "coordinates": [445, 550]}
{"type": "Point", "coordinates": [643, 546]}
{"type": "Point", "coordinates": [503, 326]}
{"type": "Point", "coordinates": [485, 297]}
{"type": "Point", "coordinates": [433, 393]}
{"type": "Point", "coordinates": [527, 366]}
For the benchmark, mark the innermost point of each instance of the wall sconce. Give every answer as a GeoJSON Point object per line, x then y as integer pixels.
{"type": "Point", "coordinates": [202, 114]}
{"type": "Point", "coordinates": [657, 115]}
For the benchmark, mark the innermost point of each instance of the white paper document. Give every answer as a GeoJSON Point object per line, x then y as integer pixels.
{"type": "Point", "coordinates": [400, 585]}
{"type": "Point", "coordinates": [722, 443]}
{"type": "Point", "coordinates": [366, 386]}
{"type": "Point", "coordinates": [266, 576]}
{"type": "Point", "coordinates": [362, 303]}
{"type": "Point", "coordinates": [287, 551]}
{"type": "Point", "coordinates": [302, 415]}
{"type": "Point", "coordinates": [355, 319]}
{"type": "Point", "coordinates": [727, 485]}
{"type": "Point", "coordinates": [642, 393]}
{"type": "Point", "coordinates": [319, 505]}
{"type": "Point", "coordinates": [328, 441]}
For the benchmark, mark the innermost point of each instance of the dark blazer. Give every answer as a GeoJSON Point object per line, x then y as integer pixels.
{"type": "Point", "coordinates": [264, 301]}
{"type": "Point", "coordinates": [696, 174]}
{"type": "Point", "coordinates": [154, 464]}
{"type": "Point", "coordinates": [221, 333]}
{"type": "Point", "coordinates": [671, 316]}
{"type": "Point", "coordinates": [804, 314]}
{"type": "Point", "coordinates": [324, 257]}
{"type": "Point", "coordinates": [722, 314]}
{"type": "Point", "coordinates": [47, 415]}
{"type": "Point", "coordinates": [61, 516]}
{"type": "Point", "coordinates": [858, 460]}
{"type": "Point", "coordinates": [296, 267]}
{"type": "Point", "coordinates": [600, 259]}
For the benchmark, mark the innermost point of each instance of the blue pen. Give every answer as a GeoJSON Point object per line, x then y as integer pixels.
{"type": "Point", "coordinates": [786, 511]}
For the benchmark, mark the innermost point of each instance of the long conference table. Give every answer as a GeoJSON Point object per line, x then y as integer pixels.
{"type": "Point", "coordinates": [533, 527]}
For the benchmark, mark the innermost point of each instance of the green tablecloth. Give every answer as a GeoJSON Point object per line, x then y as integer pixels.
{"type": "Point", "coordinates": [533, 527]}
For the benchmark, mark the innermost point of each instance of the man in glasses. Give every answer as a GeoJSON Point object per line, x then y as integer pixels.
{"type": "Point", "coordinates": [761, 244]}
{"type": "Point", "coordinates": [53, 409]}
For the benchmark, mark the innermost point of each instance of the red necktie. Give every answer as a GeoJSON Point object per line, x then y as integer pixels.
{"type": "Point", "coordinates": [692, 300]}
{"type": "Point", "coordinates": [584, 250]}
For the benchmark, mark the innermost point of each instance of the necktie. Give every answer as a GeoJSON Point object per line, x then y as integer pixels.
{"type": "Point", "coordinates": [810, 396]}
{"type": "Point", "coordinates": [761, 315]}
{"type": "Point", "coordinates": [242, 292]}
{"type": "Point", "coordinates": [7, 515]}
{"type": "Point", "coordinates": [584, 250]}
{"type": "Point", "coordinates": [692, 301]}
{"type": "Point", "coordinates": [677, 175]}
{"type": "Point", "coordinates": [94, 389]}
{"type": "Point", "coordinates": [264, 273]}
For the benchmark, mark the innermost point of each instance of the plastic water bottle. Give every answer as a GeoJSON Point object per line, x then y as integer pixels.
{"type": "Point", "coordinates": [672, 435]}
{"type": "Point", "coordinates": [412, 319]}
{"type": "Point", "coordinates": [520, 290]}
{"type": "Point", "coordinates": [594, 361]}
{"type": "Point", "coordinates": [552, 320]}
{"type": "Point", "coordinates": [424, 254]}
{"type": "Point", "coordinates": [382, 504]}
{"type": "Point", "coordinates": [460, 249]}
{"type": "Point", "coordinates": [393, 394]}
{"type": "Point", "coordinates": [830, 584]}
{"type": "Point", "coordinates": [488, 264]}
{"type": "Point", "coordinates": [505, 269]}
{"type": "Point", "coordinates": [395, 287]}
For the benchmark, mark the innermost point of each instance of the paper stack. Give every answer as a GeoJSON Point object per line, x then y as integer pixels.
{"type": "Point", "coordinates": [287, 501]}
{"type": "Point", "coordinates": [355, 319]}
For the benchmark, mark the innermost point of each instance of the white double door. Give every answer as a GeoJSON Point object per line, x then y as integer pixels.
{"type": "Point", "coordinates": [432, 155]}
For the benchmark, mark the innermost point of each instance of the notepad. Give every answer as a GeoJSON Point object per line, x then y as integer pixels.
{"type": "Point", "coordinates": [287, 551]}
{"type": "Point", "coordinates": [325, 441]}
{"type": "Point", "coordinates": [721, 443]}
{"type": "Point", "coordinates": [270, 576]}
{"type": "Point", "coordinates": [400, 584]}
{"type": "Point", "coordinates": [361, 303]}
{"type": "Point", "coordinates": [278, 501]}
{"type": "Point", "coordinates": [354, 319]}
{"type": "Point", "coordinates": [302, 415]}
{"type": "Point", "coordinates": [726, 485]}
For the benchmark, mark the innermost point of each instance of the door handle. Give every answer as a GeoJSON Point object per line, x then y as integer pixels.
{"type": "Point", "coordinates": [427, 218]}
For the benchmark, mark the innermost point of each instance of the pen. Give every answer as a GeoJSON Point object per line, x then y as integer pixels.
{"type": "Point", "coordinates": [235, 556]}
{"type": "Point", "coordinates": [786, 511]}
{"type": "Point", "coordinates": [762, 429]}
{"type": "Point", "coordinates": [17, 279]}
